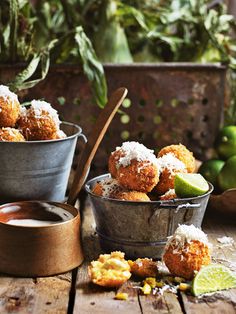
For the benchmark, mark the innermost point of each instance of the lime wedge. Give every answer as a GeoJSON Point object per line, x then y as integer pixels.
{"type": "Point", "coordinates": [190, 185]}
{"type": "Point", "coordinates": [212, 278]}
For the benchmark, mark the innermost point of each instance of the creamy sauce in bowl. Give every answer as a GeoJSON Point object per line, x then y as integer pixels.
{"type": "Point", "coordinates": [33, 214]}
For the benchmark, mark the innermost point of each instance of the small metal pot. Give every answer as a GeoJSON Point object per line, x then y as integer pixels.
{"type": "Point", "coordinates": [37, 170]}
{"type": "Point", "coordinates": [33, 251]}
{"type": "Point", "coordinates": [140, 229]}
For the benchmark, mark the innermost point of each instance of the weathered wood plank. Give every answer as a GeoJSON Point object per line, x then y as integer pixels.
{"type": "Point", "coordinates": [94, 299]}
{"type": "Point", "coordinates": [42, 295]}
{"type": "Point", "coordinates": [163, 304]}
{"type": "Point", "coordinates": [207, 305]}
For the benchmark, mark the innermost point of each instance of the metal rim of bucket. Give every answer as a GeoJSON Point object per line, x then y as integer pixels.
{"type": "Point", "coordinates": [158, 202]}
{"type": "Point", "coordinates": [77, 133]}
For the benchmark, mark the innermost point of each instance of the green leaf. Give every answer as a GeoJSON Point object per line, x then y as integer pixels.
{"type": "Point", "coordinates": [93, 69]}
{"type": "Point", "coordinates": [14, 12]}
{"type": "Point", "coordinates": [41, 60]}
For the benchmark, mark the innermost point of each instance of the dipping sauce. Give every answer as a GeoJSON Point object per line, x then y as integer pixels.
{"type": "Point", "coordinates": [33, 214]}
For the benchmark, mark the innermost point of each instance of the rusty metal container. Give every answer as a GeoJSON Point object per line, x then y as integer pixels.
{"type": "Point", "coordinates": [140, 229]}
{"type": "Point", "coordinates": [167, 103]}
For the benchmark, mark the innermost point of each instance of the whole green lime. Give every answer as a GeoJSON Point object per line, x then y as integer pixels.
{"type": "Point", "coordinates": [227, 175]}
{"type": "Point", "coordinates": [226, 142]}
{"type": "Point", "coordinates": [210, 170]}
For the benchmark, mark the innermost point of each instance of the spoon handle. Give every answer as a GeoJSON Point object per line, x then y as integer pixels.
{"type": "Point", "coordinates": [95, 138]}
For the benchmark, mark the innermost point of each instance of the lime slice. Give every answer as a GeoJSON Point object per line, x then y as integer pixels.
{"type": "Point", "coordinates": [190, 185]}
{"type": "Point", "coordinates": [212, 278]}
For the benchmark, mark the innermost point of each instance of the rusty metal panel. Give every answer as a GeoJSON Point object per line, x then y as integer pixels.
{"type": "Point", "coordinates": [167, 103]}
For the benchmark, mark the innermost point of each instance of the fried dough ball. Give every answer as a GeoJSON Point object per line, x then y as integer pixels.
{"type": "Point", "coordinates": [167, 180]}
{"type": "Point", "coordinates": [182, 153]}
{"type": "Point", "coordinates": [9, 107]}
{"type": "Point", "coordinates": [11, 135]}
{"type": "Point", "coordinates": [134, 196]}
{"type": "Point", "coordinates": [113, 162]}
{"type": "Point", "coordinates": [39, 122]}
{"type": "Point", "coordinates": [110, 270]}
{"type": "Point", "coordinates": [112, 189]}
{"type": "Point", "coordinates": [107, 187]}
{"type": "Point", "coordinates": [169, 166]}
{"type": "Point", "coordinates": [134, 166]}
{"type": "Point", "coordinates": [187, 251]}
{"type": "Point", "coordinates": [143, 267]}
{"type": "Point", "coordinates": [140, 176]}
{"type": "Point", "coordinates": [169, 195]}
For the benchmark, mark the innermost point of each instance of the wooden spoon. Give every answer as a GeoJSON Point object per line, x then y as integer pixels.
{"type": "Point", "coordinates": [102, 123]}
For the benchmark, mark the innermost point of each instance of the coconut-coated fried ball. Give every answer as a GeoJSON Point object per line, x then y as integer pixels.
{"type": "Point", "coordinates": [111, 188]}
{"type": "Point", "coordinates": [186, 251]}
{"type": "Point", "coordinates": [11, 135]}
{"type": "Point", "coordinates": [182, 153]}
{"type": "Point", "coordinates": [166, 180]}
{"type": "Point", "coordinates": [139, 176]}
{"type": "Point", "coordinates": [169, 195]}
{"type": "Point", "coordinates": [113, 162]}
{"type": "Point", "coordinates": [135, 167]}
{"type": "Point", "coordinates": [39, 122]}
{"type": "Point", "coordinates": [107, 187]}
{"type": "Point", "coordinates": [9, 107]}
{"type": "Point", "coordinates": [169, 166]}
{"type": "Point", "coordinates": [186, 261]}
{"type": "Point", "coordinates": [143, 267]}
{"type": "Point", "coordinates": [133, 196]}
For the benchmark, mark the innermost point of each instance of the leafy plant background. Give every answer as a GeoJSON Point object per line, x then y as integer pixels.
{"type": "Point", "coordinates": [93, 31]}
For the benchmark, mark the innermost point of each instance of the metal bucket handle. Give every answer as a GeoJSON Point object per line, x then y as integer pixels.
{"type": "Point", "coordinates": [83, 137]}
{"type": "Point", "coordinates": [177, 207]}
{"type": "Point", "coordinates": [174, 206]}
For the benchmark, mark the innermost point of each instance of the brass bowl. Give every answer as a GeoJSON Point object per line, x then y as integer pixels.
{"type": "Point", "coordinates": [44, 250]}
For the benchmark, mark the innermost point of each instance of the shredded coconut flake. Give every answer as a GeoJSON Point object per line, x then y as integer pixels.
{"type": "Point", "coordinates": [185, 234]}
{"type": "Point", "coordinates": [39, 105]}
{"type": "Point", "coordinates": [170, 162]}
{"type": "Point", "coordinates": [7, 94]}
{"type": "Point", "coordinates": [167, 288]}
{"type": "Point", "coordinates": [23, 111]}
{"type": "Point", "coordinates": [109, 186]}
{"type": "Point", "coordinates": [61, 134]}
{"type": "Point", "coordinates": [226, 240]}
{"type": "Point", "coordinates": [135, 151]}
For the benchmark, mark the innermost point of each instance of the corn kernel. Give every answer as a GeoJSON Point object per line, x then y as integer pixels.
{"type": "Point", "coordinates": [146, 289]}
{"type": "Point", "coordinates": [151, 281]}
{"type": "Point", "coordinates": [121, 296]}
{"type": "Point", "coordinates": [184, 286]}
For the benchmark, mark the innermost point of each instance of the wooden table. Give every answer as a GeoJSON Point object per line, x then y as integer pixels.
{"type": "Point", "coordinates": [56, 294]}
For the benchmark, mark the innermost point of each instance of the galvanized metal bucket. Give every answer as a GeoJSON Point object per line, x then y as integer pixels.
{"type": "Point", "coordinates": [37, 170]}
{"type": "Point", "coordinates": [140, 229]}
